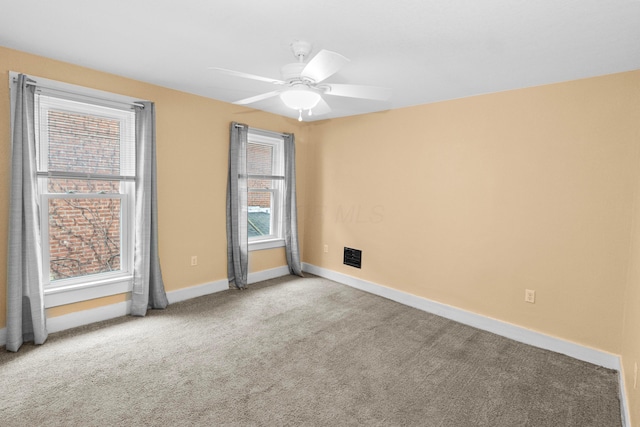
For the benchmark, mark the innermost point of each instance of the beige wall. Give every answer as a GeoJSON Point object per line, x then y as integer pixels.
{"type": "Point", "coordinates": [192, 153]}
{"type": "Point", "coordinates": [472, 201]}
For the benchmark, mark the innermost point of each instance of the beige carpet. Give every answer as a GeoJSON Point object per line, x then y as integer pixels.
{"type": "Point", "coordinates": [294, 351]}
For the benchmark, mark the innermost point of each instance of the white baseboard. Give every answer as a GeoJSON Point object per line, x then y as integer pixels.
{"type": "Point", "coordinates": [508, 330]}
{"type": "Point", "coordinates": [498, 327]}
{"type": "Point", "coordinates": [624, 404]}
{"type": "Point", "coordinates": [197, 291]}
{"type": "Point", "coordinates": [517, 333]}
{"type": "Point", "coordinates": [80, 318]}
{"type": "Point", "coordinates": [85, 317]}
{"type": "Point", "coordinates": [272, 273]}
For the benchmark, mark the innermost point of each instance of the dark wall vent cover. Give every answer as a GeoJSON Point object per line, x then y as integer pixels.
{"type": "Point", "coordinates": [353, 257]}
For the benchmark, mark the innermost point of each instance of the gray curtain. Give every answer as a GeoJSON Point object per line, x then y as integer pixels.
{"type": "Point", "coordinates": [26, 320]}
{"type": "Point", "coordinates": [290, 207]}
{"type": "Point", "coordinates": [148, 287]}
{"type": "Point", "coordinates": [237, 235]}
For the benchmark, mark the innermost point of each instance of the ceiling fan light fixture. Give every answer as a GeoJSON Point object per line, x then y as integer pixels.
{"type": "Point", "coordinates": [300, 98]}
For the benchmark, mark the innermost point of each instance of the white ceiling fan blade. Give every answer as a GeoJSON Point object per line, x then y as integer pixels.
{"type": "Point", "coordinates": [357, 91]}
{"type": "Point", "coordinates": [247, 75]}
{"type": "Point", "coordinates": [257, 98]}
{"type": "Point", "coordinates": [323, 65]}
{"type": "Point", "coordinates": [321, 108]}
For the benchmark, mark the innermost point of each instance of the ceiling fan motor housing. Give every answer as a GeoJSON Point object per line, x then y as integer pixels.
{"type": "Point", "coordinates": [291, 72]}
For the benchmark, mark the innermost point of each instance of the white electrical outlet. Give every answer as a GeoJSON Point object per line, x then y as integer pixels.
{"type": "Point", "coordinates": [530, 296]}
{"type": "Point", "coordinates": [194, 260]}
{"type": "Point", "coordinates": [326, 249]}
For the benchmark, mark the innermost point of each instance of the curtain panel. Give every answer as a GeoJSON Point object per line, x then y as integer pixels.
{"type": "Point", "coordinates": [148, 286]}
{"type": "Point", "coordinates": [290, 207]}
{"type": "Point", "coordinates": [237, 209]}
{"type": "Point", "coordinates": [237, 234]}
{"type": "Point", "coordinates": [26, 319]}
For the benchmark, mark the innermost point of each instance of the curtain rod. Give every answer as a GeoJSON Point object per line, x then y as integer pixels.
{"type": "Point", "coordinates": [260, 131]}
{"type": "Point", "coordinates": [268, 132]}
{"type": "Point", "coordinates": [31, 82]}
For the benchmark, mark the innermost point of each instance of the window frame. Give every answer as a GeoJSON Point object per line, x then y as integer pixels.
{"type": "Point", "coordinates": [276, 141]}
{"type": "Point", "coordinates": [81, 288]}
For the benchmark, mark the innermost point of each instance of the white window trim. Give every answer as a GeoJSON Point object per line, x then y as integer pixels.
{"type": "Point", "coordinates": [260, 245]}
{"type": "Point", "coordinates": [56, 296]}
{"type": "Point", "coordinates": [99, 285]}
{"type": "Point", "coordinates": [276, 240]}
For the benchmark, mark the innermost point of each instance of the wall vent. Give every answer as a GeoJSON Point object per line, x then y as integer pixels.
{"type": "Point", "coordinates": [353, 257]}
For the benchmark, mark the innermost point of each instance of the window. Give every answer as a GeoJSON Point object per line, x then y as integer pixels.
{"type": "Point", "coordinates": [86, 187]}
{"type": "Point", "coordinates": [265, 170]}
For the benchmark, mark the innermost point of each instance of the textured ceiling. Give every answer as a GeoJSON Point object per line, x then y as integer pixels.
{"type": "Point", "coordinates": [424, 50]}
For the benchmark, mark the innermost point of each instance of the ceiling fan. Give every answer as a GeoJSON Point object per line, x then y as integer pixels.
{"type": "Point", "coordinates": [303, 83]}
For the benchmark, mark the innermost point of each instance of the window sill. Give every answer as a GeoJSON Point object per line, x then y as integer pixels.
{"type": "Point", "coordinates": [62, 295]}
{"type": "Point", "coordinates": [265, 244]}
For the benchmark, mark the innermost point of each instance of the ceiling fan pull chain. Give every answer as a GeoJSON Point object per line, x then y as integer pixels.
{"type": "Point", "coordinates": [299, 115]}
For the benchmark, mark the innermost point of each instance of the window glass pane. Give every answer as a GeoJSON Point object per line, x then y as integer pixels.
{"type": "Point", "coordinates": [83, 143]}
{"type": "Point", "coordinates": [259, 213]}
{"type": "Point", "coordinates": [264, 184]}
{"type": "Point", "coordinates": [259, 159]}
{"type": "Point", "coordinates": [84, 236]}
{"type": "Point", "coordinates": [65, 185]}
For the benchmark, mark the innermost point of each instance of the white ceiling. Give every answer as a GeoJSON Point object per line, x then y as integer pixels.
{"type": "Point", "coordinates": [424, 50]}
